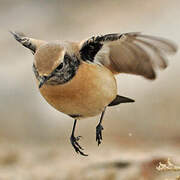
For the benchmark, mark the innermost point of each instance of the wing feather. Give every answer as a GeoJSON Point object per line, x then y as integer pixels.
{"type": "Point", "coordinates": [159, 58]}
{"type": "Point", "coordinates": [163, 43]}
{"type": "Point", "coordinates": [132, 53]}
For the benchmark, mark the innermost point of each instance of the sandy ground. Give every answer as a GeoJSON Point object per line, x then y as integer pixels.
{"type": "Point", "coordinates": [34, 138]}
{"type": "Point", "coordinates": [108, 162]}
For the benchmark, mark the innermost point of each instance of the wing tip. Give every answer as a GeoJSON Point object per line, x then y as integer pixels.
{"type": "Point", "coordinates": [17, 35]}
{"type": "Point", "coordinates": [151, 75]}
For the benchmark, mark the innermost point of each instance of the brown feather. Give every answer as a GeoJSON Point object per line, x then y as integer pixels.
{"type": "Point", "coordinates": [138, 54]}
{"type": "Point", "coordinates": [48, 57]}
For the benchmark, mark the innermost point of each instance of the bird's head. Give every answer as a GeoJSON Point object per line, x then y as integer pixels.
{"type": "Point", "coordinates": [47, 60]}
{"type": "Point", "coordinates": [51, 62]}
{"type": "Point", "coordinates": [47, 56]}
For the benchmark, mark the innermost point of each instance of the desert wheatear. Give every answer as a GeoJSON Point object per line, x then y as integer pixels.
{"type": "Point", "coordinates": [77, 78]}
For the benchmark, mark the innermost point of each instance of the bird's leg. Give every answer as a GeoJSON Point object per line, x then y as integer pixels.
{"type": "Point", "coordinates": [99, 129]}
{"type": "Point", "coordinates": [74, 141]}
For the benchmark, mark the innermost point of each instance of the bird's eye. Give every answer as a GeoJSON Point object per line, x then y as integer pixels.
{"type": "Point", "coordinates": [44, 77]}
{"type": "Point", "coordinates": [60, 66]}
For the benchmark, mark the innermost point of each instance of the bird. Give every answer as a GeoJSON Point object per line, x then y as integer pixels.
{"type": "Point", "coordinates": [78, 78]}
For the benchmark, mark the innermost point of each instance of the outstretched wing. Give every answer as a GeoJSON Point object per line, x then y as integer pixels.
{"type": "Point", "coordinates": [30, 43]}
{"type": "Point", "coordinates": [132, 53]}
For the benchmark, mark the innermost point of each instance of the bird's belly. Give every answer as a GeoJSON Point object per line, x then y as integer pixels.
{"type": "Point", "coordinates": [91, 89]}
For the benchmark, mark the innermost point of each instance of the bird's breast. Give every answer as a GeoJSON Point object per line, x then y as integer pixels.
{"type": "Point", "coordinates": [86, 94]}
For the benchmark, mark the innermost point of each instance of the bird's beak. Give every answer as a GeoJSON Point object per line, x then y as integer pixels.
{"type": "Point", "coordinates": [42, 80]}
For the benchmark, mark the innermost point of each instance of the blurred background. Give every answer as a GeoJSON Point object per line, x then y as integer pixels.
{"type": "Point", "coordinates": [34, 137]}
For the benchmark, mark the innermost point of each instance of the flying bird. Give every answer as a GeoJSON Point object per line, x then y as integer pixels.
{"type": "Point", "coordinates": [78, 78]}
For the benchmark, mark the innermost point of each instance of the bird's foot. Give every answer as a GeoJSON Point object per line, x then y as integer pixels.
{"type": "Point", "coordinates": [99, 129]}
{"type": "Point", "coordinates": [74, 141]}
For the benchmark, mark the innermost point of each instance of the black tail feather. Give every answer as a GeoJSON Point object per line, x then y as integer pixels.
{"type": "Point", "coordinates": [120, 99]}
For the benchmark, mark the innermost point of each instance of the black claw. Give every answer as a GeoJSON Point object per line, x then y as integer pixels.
{"type": "Point", "coordinates": [76, 145]}
{"type": "Point", "coordinates": [99, 129]}
{"type": "Point", "coordinates": [78, 138]}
